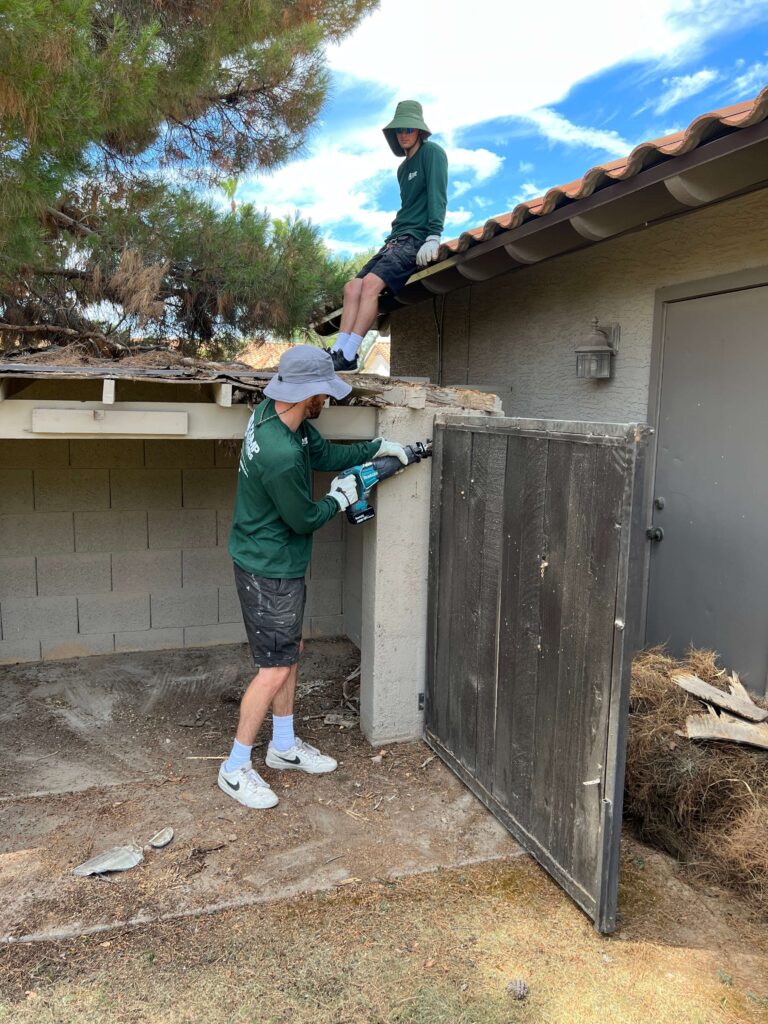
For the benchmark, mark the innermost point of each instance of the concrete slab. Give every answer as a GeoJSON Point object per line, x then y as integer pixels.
{"type": "Point", "coordinates": [107, 750]}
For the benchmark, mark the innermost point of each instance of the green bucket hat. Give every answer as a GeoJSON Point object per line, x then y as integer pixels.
{"type": "Point", "coordinates": [407, 115]}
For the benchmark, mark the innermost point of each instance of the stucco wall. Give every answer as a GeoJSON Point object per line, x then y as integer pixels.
{"type": "Point", "coordinates": [517, 333]}
{"type": "Point", "coordinates": [122, 545]}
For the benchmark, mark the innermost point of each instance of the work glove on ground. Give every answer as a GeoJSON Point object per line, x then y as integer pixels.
{"type": "Point", "coordinates": [392, 448]}
{"type": "Point", "coordinates": [344, 491]}
{"type": "Point", "coordinates": [428, 252]}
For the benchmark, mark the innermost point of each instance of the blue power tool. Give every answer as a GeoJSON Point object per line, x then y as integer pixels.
{"type": "Point", "coordinates": [371, 473]}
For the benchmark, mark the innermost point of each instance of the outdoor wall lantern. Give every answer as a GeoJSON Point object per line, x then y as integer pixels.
{"type": "Point", "coordinates": [595, 360]}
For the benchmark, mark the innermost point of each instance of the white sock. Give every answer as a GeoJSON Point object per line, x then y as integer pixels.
{"type": "Point", "coordinates": [341, 339]}
{"type": "Point", "coordinates": [352, 344]}
{"type": "Point", "coordinates": [241, 754]}
{"type": "Point", "coordinates": [282, 732]}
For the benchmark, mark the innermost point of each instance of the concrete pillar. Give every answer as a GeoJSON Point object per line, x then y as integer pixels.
{"type": "Point", "coordinates": [394, 601]}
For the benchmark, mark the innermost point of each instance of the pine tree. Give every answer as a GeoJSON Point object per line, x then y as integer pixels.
{"type": "Point", "coordinates": [117, 119]}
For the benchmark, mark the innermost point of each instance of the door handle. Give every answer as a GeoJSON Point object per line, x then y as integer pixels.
{"type": "Point", "coordinates": [655, 533]}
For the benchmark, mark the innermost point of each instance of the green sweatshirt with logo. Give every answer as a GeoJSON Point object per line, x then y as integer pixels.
{"type": "Point", "coordinates": [275, 515]}
{"type": "Point", "coordinates": [423, 181]}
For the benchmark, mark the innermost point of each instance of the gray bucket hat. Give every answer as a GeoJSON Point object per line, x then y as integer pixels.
{"type": "Point", "coordinates": [304, 371]}
{"type": "Point", "coordinates": [408, 114]}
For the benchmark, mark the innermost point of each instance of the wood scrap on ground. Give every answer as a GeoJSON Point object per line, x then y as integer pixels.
{"type": "Point", "coordinates": [747, 724]}
{"type": "Point", "coordinates": [704, 802]}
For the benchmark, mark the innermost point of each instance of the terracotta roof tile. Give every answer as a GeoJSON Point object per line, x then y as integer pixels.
{"type": "Point", "coordinates": [699, 131]}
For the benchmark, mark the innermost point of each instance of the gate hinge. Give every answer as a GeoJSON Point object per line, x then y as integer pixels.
{"type": "Point", "coordinates": [421, 702]}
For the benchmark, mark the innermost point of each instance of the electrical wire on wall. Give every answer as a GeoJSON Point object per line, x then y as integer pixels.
{"type": "Point", "coordinates": [439, 330]}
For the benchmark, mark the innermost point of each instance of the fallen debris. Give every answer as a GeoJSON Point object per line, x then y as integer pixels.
{"type": "Point", "coordinates": [704, 802]}
{"type": "Point", "coordinates": [736, 700]}
{"type": "Point", "coordinates": [161, 838]}
{"type": "Point", "coordinates": [714, 726]}
{"type": "Point", "coordinates": [343, 721]}
{"type": "Point", "coordinates": [518, 989]}
{"type": "Point", "coordinates": [120, 858]}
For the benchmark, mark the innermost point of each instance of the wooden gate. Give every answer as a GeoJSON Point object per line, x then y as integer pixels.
{"type": "Point", "coordinates": [536, 550]}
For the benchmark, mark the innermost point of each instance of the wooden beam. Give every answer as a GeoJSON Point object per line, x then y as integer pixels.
{"type": "Point", "coordinates": [724, 727]}
{"type": "Point", "coordinates": [108, 391]}
{"type": "Point", "coordinates": [735, 699]}
{"type": "Point", "coordinates": [94, 422]}
{"type": "Point", "coordinates": [223, 394]}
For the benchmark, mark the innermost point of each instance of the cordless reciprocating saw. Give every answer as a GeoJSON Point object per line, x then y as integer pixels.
{"type": "Point", "coordinates": [371, 473]}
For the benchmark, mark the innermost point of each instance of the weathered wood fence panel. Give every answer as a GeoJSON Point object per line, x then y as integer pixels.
{"type": "Point", "coordinates": [535, 567]}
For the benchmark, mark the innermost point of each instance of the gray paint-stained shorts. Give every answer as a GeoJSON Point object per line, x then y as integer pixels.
{"type": "Point", "coordinates": [273, 612]}
{"type": "Point", "coordinates": [394, 262]}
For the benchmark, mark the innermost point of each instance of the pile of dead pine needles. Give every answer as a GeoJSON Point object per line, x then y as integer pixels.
{"type": "Point", "coordinates": [706, 802]}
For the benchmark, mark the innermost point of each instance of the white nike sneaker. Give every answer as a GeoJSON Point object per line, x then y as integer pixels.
{"type": "Point", "coordinates": [301, 756]}
{"type": "Point", "coordinates": [246, 786]}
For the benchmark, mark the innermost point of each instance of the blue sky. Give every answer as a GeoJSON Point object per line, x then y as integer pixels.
{"type": "Point", "coordinates": [521, 99]}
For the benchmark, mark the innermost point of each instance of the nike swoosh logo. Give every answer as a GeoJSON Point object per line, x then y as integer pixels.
{"type": "Point", "coordinates": [231, 785]}
{"type": "Point", "coordinates": [289, 760]}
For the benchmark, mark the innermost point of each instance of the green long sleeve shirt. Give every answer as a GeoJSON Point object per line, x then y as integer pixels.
{"type": "Point", "coordinates": [423, 181]}
{"type": "Point", "coordinates": [275, 515]}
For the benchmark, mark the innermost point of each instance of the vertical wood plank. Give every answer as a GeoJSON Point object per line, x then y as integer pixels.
{"type": "Point", "coordinates": [519, 622]}
{"type": "Point", "coordinates": [490, 562]}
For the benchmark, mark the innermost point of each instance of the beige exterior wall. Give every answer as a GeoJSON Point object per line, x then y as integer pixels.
{"type": "Point", "coordinates": [516, 334]}
{"type": "Point", "coordinates": [110, 545]}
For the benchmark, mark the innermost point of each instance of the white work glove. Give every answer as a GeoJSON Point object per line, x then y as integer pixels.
{"type": "Point", "coordinates": [391, 448]}
{"type": "Point", "coordinates": [429, 250]}
{"type": "Point", "coordinates": [344, 490]}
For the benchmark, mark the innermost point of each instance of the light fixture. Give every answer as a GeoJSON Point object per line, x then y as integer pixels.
{"type": "Point", "coordinates": [595, 360]}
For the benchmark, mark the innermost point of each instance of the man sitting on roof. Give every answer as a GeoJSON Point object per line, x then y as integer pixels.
{"type": "Point", "coordinates": [415, 236]}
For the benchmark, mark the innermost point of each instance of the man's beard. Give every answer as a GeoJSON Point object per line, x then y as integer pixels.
{"type": "Point", "coordinates": [315, 407]}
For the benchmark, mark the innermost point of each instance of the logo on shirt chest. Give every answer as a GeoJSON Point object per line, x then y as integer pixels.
{"type": "Point", "coordinates": [412, 175]}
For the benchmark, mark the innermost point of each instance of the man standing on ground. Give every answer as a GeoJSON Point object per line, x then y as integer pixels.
{"type": "Point", "coordinates": [271, 544]}
{"type": "Point", "coordinates": [415, 236]}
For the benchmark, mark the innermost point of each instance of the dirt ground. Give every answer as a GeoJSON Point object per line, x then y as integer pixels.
{"type": "Point", "coordinates": [383, 894]}
{"type": "Point", "coordinates": [105, 751]}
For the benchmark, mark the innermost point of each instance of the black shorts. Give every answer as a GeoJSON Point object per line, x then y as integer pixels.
{"type": "Point", "coordinates": [273, 612]}
{"type": "Point", "coordinates": [394, 262]}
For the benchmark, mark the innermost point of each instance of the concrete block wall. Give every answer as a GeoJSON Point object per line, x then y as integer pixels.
{"type": "Point", "coordinates": [120, 545]}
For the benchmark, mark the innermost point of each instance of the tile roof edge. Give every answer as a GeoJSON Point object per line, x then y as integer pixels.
{"type": "Point", "coordinates": [645, 154]}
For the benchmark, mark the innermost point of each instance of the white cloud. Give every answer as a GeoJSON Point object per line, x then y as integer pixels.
{"type": "Point", "coordinates": [752, 81]}
{"type": "Point", "coordinates": [526, 191]}
{"type": "Point", "coordinates": [525, 167]}
{"type": "Point", "coordinates": [460, 187]}
{"type": "Point", "coordinates": [559, 129]}
{"type": "Point", "coordinates": [683, 87]}
{"type": "Point", "coordinates": [460, 84]}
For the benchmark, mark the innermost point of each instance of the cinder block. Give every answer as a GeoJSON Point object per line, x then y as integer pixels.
{"type": "Point", "coordinates": [185, 607]}
{"type": "Point", "coordinates": [229, 605]}
{"type": "Point", "coordinates": [327, 561]}
{"type": "Point", "coordinates": [96, 454]}
{"type": "Point", "coordinates": [218, 633]}
{"type": "Point", "coordinates": [188, 528]}
{"type": "Point", "coordinates": [78, 573]}
{"type": "Point", "coordinates": [71, 490]}
{"type": "Point", "coordinates": [227, 453]}
{"type": "Point", "coordinates": [27, 618]}
{"type": "Point", "coordinates": [143, 571]}
{"type": "Point", "coordinates": [203, 567]}
{"type": "Point", "coordinates": [77, 646]}
{"type": "Point", "coordinates": [17, 577]}
{"type": "Point", "coordinates": [223, 527]}
{"type": "Point", "coordinates": [326, 625]}
{"type": "Point", "coordinates": [145, 488]}
{"type": "Point", "coordinates": [209, 488]}
{"type": "Point", "coordinates": [163, 454]}
{"type": "Point", "coordinates": [16, 494]}
{"type": "Point", "coordinates": [14, 651]}
{"type": "Point", "coordinates": [323, 598]}
{"type": "Point", "coordinates": [113, 613]}
{"type": "Point", "coordinates": [150, 640]}
{"type": "Point", "coordinates": [51, 532]}
{"type": "Point", "coordinates": [111, 531]}
{"type": "Point", "coordinates": [35, 453]}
